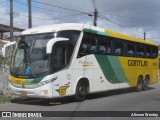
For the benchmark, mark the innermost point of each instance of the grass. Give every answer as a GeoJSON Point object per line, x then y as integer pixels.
{"type": "Point", "coordinates": [4, 99]}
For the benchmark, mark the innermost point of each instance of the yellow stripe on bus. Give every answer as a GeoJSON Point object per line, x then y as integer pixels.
{"type": "Point", "coordinates": [17, 80]}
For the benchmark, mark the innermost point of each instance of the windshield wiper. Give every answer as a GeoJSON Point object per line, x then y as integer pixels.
{"type": "Point", "coordinates": [23, 62]}
{"type": "Point", "coordinates": [19, 66]}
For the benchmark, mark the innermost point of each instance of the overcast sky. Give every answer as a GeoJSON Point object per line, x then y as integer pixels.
{"type": "Point", "coordinates": [131, 17]}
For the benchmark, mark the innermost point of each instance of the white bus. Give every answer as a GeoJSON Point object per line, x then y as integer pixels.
{"type": "Point", "coordinates": [75, 59]}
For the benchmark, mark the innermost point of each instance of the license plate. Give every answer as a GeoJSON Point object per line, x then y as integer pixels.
{"type": "Point", "coordinates": [23, 93]}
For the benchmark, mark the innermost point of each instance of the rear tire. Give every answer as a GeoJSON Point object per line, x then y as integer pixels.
{"type": "Point", "coordinates": [139, 84]}
{"type": "Point", "coordinates": [81, 92]}
{"type": "Point", "coordinates": [145, 84]}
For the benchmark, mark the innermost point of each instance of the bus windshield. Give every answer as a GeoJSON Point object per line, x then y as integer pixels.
{"type": "Point", "coordinates": [30, 59]}
{"type": "Point", "coordinates": [30, 56]}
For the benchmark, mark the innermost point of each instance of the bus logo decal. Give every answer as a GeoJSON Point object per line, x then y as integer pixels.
{"type": "Point", "coordinates": [62, 90]}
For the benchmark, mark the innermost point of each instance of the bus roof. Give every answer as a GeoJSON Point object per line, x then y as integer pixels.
{"type": "Point", "coordinates": [53, 28]}
{"type": "Point", "coordinates": [127, 37]}
{"type": "Point", "coordinates": [80, 27]}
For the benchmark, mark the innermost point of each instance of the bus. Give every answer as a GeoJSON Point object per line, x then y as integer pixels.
{"type": "Point", "coordinates": [72, 59]}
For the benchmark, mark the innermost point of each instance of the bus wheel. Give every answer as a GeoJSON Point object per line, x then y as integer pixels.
{"type": "Point", "coordinates": [81, 92]}
{"type": "Point", "coordinates": [145, 83]}
{"type": "Point", "coordinates": [139, 84]}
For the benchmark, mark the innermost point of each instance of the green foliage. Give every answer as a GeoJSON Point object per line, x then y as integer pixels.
{"type": "Point", "coordinates": [5, 100]}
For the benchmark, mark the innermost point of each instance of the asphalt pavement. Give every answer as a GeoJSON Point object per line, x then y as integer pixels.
{"type": "Point", "coordinates": [116, 100]}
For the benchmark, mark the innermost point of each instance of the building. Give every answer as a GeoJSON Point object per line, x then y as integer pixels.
{"type": "Point", "coordinates": [6, 29]}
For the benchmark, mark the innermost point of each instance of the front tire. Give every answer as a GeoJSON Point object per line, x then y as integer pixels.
{"type": "Point", "coordinates": [81, 92]}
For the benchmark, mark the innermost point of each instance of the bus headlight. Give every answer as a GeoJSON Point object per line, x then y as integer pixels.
{"type": "Point", "coordinates": [46, 82]}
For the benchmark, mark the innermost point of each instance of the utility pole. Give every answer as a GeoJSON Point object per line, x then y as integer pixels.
{"type": "Point", "coordinates": [29, 14]}
{"type": "Point", "coordinates": [95, 14]}
{"type": "Point", "coordinates": [11, 20]}
{"type": "Point", "coordinates": [95, 17]}
{"type": "Point", "coordinates": [144, 35]}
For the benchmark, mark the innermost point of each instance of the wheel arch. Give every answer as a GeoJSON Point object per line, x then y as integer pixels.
{"type": "Point", "coordinates": [140, 76]}
{"type": "Point", "coordinates": [84, 79]}
{"type": "Point", "coordinates": [147, 76]}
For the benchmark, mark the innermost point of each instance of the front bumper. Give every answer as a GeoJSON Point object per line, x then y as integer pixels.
{"type": "Point", "coordinates": [39, 92]}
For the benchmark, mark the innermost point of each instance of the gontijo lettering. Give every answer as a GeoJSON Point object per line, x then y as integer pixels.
{"type": "Point", "coordinates": [137, 63]}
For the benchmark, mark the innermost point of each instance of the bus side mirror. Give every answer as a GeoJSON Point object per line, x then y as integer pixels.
{"type": "Point", "coordinates": [52, 42]}
{"type": "Point", "coordinates": [5, 49]}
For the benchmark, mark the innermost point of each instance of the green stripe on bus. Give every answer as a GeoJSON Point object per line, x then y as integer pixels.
{"type": "Point", "coordinates": [37, 80]}
{"type": "Point", "coordinates": [27, 81]}
{"type": "Point", "coordinates": [32, 81]}
{"type": "Point", "coordinates": [89, 30]}
{"type": "Point", "coordinates": [95, 32]}
{"type": "Point", "coordinates": [111, 68]}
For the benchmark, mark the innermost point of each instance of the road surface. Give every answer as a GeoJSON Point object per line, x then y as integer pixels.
{"type": "Point", "coordinates": [117, 100]}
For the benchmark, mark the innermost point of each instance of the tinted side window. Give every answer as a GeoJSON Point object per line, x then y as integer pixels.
{"type": "Point", "coordinates": [140, 51]}
{"type": "Point", "coordinates": [59, 56]}
{"type": "Point", "coordinates": [88, 45]}
{"type": "Point", "coordinates": [118, 47]}
{"type": "Point", "coordinates": [72, 35]}
{"type": "Point", "coordinates": [148, 51]}
{"type": "Point", "coordinates": [130, 49]}
{"type": "Point", "coordinates": [62, 51]}
{"type": "Point", "coordinates": [154, 52]}
{"type": "Point", "coordinates": [104, 45]}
